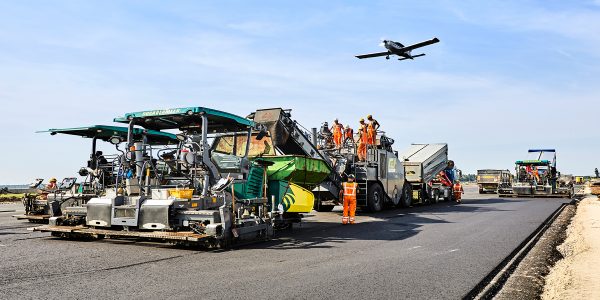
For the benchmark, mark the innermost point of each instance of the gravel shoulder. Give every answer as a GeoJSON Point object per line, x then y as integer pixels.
{"type": "Point", "coordinates": [576, 276]}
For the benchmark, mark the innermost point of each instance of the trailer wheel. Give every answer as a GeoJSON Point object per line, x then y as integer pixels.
{"type": "Point", "coordinates": [449, 198]}
{"type": "Point", "coordinates": [375, 197]}
{"type": "Point", "coordinates": [435, 198]}
{"type": "Point", "coordinates": [406, 197]}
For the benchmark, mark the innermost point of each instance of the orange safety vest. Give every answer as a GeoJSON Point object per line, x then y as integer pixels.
{"type": "Point", "coordinates": [372, 131]}
{"type": "Point", "coordinates": [350, 189]}
{"type": "Point", "coordinates": [338, 129]}
{"type": "Point", "coordinates": [458, 188]}
{"type": "Point", "coordinates": [363, 131]}
{"type": "Point", "coordinates": [349, 133]}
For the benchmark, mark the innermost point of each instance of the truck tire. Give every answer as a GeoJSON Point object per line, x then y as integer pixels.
{"type": "Point", "coordinates": [375, 197]}
{"type": "Point", "coordinates": [450, 197]}
{"type": "Point", "coordinates": [432, 197]}
{"type": "Point", "coordinates": [435, 197]}
{"type": "Point", "coordinates": [480, 190]}
{"type": "Point", "coordinates": [406, 197]}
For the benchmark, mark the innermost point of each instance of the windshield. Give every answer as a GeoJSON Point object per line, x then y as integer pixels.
{"type": "Point", "coordinates": [549, 155]}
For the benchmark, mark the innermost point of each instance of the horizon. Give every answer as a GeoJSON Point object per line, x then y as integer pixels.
{"type": "Point", "coordinates": [506, 76]}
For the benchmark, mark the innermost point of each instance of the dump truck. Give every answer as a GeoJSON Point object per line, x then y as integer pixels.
{"type": "Point", "coordinates": [185, 193]}
{"type": "Point", "coordinates": [423, 165]}
{"type": "Point", "coordinates": [380, 178]}
{"type": "Point", "coordinates": [537, 176]}
{"type": "Point", "coordinates": [494, 180]}
{"type": "Point", "coordinates": [98, 173]}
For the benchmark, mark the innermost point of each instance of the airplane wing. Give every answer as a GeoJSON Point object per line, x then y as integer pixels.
{"type": "Point", "coordinates": [373, 55]}
{"type": "Point", "coordinates": [419, 45]}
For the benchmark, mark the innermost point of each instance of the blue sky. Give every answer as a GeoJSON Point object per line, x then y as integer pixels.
{"type": "Point", "coordinates": [506, 76]}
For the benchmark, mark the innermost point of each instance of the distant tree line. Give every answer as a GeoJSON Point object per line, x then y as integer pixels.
{"type": "Point", "coordinates": [468, 177]}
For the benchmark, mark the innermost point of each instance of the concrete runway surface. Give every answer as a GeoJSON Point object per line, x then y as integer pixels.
{"type": "Point", "coordinates": [438, 251]}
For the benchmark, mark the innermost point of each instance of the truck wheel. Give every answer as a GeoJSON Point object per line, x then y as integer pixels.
{"type": "Point", "coordinates": [435, 198]}
{"type": "Point", "coordinates": [375, 197]}
{"type": "Point", "coordinates": [450, 197]}
{"type": "Point", "coordinates": [406, 197]}
{"type": "Point", "coordinates": [481, 191]}
{"type": "Point", "coordinates": [432, 197]}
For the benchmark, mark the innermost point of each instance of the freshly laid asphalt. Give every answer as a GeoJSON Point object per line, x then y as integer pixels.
{"type": "Point", "coordinates": [438, 251]}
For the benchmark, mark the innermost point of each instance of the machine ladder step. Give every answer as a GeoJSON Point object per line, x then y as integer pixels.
{"type": "Point", "coordinates": [360, 174]}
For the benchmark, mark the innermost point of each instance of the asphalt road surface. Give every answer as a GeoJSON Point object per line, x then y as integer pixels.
{"type": "Point", "coordinates": [427, 252]}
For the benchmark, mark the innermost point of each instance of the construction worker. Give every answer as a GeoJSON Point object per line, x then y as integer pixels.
{"type": "Point", "coordinates": [49, 188]}
{"type": "Point", "coordinates": [348, 193]}
{"type": "Point", "coordinates": [338, 133]}
{"type": "Point", "coordinates": [372, 130]}
{"type": "Point", "coordinates": [536, 174]}
{"type": "Point", "coordinates": [458, 191]}
{"type": "Point", "coordinates": [52, 184]}
{"type": "Point", "coordinates": [326, 136]}
{"type": "Point", "coordinates": [362, 140]}
{"type": "Point", "coordinates": [348, 134]}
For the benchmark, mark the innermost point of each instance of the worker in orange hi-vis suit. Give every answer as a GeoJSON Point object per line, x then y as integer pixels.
{"type": "Point", "coordinates": [348, 193]}
{"type": "Point", "coordinates": [536, 173]}
{"type": "Point", "coordinates": [338, 133]}
{"type": "Point", "coordinates": [348, 134]}
{"type": "Point", "coordinates": [458, 191]}
{"type": "Point", "coordinates": [372, 130]}
{"type": "Point", "coordinates": [362, 141]}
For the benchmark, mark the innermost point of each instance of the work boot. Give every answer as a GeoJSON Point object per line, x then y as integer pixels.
{"type": "Point", "coordinates": [344, 220]}
{"type": "Point", "coordinates": [351, 220]}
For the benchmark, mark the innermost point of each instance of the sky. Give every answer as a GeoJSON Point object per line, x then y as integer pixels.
{"type": "Point", "coordinates": [507, 75]}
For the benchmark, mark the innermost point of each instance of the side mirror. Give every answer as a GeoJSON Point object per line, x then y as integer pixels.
{"type": "Point", "coordinates": [115, 140]}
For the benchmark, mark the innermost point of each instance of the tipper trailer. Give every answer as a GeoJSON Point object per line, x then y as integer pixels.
{"type": "Point", "coordinates": [493, 180]}
{"type": "Point", "coordinates": [423, 165]}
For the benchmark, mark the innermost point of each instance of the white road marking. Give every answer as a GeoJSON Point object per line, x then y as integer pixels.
{"type": "Point", "coordinates": [415, 247]}
{"type": "Point", "coordinates": [453, 250]}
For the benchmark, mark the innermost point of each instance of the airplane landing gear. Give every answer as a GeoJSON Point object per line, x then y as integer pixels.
{"type": "Point", "coordinates": [387, 57]}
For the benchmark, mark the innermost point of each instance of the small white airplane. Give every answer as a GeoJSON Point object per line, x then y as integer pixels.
{"type": "Point", "coordinates": [396, 48]}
